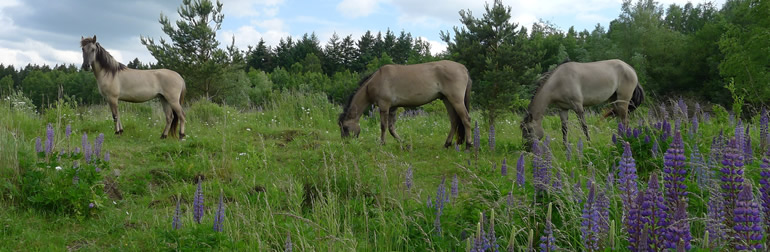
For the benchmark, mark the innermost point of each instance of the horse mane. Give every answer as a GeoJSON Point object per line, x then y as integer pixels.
{"type": "Point", "coordinates": [346, 108]}
{"type": "Point", "coordinates": [104, 58]}
{"type": "Point", "coordinates": [547, 75]}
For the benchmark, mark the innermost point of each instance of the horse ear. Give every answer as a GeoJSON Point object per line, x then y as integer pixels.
{"type": "Point", "coordinates": [94, 38]}
{"type": "Point", "coordinates": [81, 37]}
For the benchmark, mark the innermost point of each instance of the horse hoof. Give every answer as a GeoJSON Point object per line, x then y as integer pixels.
{"type": "Point", "coordinates": [163, 136]}
{"type": "Point", "coordinates": [446, 145]}
{"type": "Point", "coordinates": [181, 136]}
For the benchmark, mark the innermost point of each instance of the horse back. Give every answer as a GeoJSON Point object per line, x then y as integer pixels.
{"type": "Point", "coordinates": [418, 84]}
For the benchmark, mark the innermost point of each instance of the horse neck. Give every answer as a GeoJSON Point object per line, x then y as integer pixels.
{"type": "Point", "coordinates": [537, 106]}
{"type": "Point", "coordinates": [358, 104]}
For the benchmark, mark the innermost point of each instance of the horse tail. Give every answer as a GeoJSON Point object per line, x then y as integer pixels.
{"type": "Point", "coordinates": [175, 120]}
{"type": "Point", "coordinates": [467, 100]}
{"type": "Point", "coordinates": [637, 98]}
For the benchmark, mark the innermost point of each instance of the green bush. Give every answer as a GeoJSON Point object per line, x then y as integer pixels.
{"type": "Point", "coordinates": [64, 182]}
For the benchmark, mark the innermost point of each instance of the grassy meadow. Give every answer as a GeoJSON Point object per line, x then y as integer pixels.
{"type": "Point", "coordinates": [286, 178]}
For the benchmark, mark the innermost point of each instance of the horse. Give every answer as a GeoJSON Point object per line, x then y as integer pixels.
{"type": "Point", "coordinates": [573, 85]}
{"type": "Point", "coordinates": [118, 82]}
{"type": "Point", "coordinates": [394, 86]}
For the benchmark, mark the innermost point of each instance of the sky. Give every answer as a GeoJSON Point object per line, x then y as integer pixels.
{"type": "Point", "coordinates": [48, 32]}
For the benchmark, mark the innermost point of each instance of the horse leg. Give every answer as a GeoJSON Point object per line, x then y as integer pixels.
{"type": "Point", "coordinates": [453, 120]}
{"type": "Point", "coordinates": [177, 107]}
{"type": "Point", "coordinates": [465, 118]}
{"type": "Point", "coordinates": [621, 111]}
{"type": "Point", "coordinates": [392, 123]}
{"type": "Point", "coordinates": [115, 117]}
{"type": "Point", "coordinates": [581, 116]}
{"type": "Point", "coordinates": [384, 120]}
{"type": "Point", "coordinates": [169, 117]}
{"type": "Point", "coordinates": [564, 115]}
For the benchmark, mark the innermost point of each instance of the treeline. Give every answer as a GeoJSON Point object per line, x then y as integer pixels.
{"type": "Point", "coordinates": [692, 51]}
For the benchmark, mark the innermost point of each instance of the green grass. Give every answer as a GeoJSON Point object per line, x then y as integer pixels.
{"type": "Point", "coordinates": [284, 170]}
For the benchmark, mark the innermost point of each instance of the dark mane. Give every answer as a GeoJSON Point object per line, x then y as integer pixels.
{"type": "Point", "coordinates": [107, 61]}
{"type": "Point", "coordinates": [346, 108]}
{"type": "Point", "coordinates": [103, 57]}
{"type": "Point", "coordinates": [545, 76]}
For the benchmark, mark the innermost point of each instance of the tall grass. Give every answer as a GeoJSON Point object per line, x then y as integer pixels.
{"type": "Point", "coordinates": [284, 171]}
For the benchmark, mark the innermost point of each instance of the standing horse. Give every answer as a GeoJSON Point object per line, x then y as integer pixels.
{"type": "Point", "coordinates": [573, 85]}
{"type": "Point", "coordinates": [118, 82]}
{"type": "Point", "coordinates": [394, 86]}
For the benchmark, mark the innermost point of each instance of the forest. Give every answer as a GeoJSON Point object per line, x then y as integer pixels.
{"type": "Point", "coordinates": [703, 52]}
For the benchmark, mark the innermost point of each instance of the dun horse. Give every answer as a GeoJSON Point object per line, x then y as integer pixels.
{"type": "Point", "coordinates": [394, 86]}
{"type": "Point", "coordinates": [574, 85]}
{"type": "Point", "coordinates": [118, 82]}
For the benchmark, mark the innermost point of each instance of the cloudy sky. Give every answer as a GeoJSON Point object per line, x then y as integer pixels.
{"type": "Point", "coordinates": [48, 32]}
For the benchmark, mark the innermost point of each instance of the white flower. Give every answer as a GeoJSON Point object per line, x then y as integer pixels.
{"type": "Point", "coordinates": [248, 129]}
{"type": "Point", "coordinates": [58, 168]}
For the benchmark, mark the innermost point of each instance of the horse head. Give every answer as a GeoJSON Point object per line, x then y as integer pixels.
{"type": "Point", "coordinates": [89, 51]}
{"type": "Point", "coordinates": [349, 127]}
{"type": "Point", "coordinates": [531, 130]}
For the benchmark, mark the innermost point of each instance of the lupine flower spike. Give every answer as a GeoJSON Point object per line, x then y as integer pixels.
{"type": "Point", "coordinates": [520, 171]}
{"type": "Point", "coordinates": [747, 227]}
{"type": "Point", "coordinates": [504, 168]}
{"type": "Point", "coordinates": [408, 178]}
{"type": "Point", "coordinates": [220, 218]}
{"type": "Point", "coordinates": [675, 173]}
{"type": "Point", "coordinates": [198, 204]}
{"type": "Point", "coordinates": [655, 214]}
{"type": "Point", "coordinates": [177, 222]}
{"type": "Point", "coordinates": [49, 135]}
{"type": "Point", "coordinates": [547, 241]}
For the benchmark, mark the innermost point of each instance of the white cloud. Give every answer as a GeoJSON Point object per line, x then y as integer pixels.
{"type": "Point", "coordinates": [251, 8]}
{"type": "Point", "coordinates": [357, 8]}
{"type": "Point", "coordinates": [35, 52]}
{"type": "Point", "coordinates": [271, 31]}
{"type": "Point", "coordinates": [436, 47]}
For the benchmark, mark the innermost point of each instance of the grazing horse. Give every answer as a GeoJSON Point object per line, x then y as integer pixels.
{"type": "Point", "coordinates": [573, 85]}
{"type": "Point", "coordinates": [118, 82]}
{"type": "Point", "coordinates": [394, 86]}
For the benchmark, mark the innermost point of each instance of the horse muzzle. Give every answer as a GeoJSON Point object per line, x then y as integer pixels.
{"type": "Point", "coordinates": [86, 67]}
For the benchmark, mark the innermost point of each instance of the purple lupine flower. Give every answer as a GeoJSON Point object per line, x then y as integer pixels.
{"type": "Point", "coordinates": [68, 131]}
{"type": "Point", "coordinates": [520, 171]}
{"type": "Point", "coordinates": [77, 150]}
{"type": "Point", "coordinates": [476, 137]}
{"type": "Point", "coordinates": [220, 218]}
{"type": "Point", "coordinates": [699, 168]}
{"type": "Point", "coordinates": [492, 137]}
{"type": "Point", "coordinates": [739, 134]}
{"type": "Point", "coordinates": [580, 147]}
{"type": "Point", "coordinates": [748, 153]}
{"type": "Point", "coordinates": [764, 190]}
{"type": "Point", "coordinates": [49, 134]}
{"type": "Point", "coordinates": [603, 207]}
{"type": "Point", "coordinates": [637, 234]}
{"type": "Point", "coordinates": [655, 214]}
{"type": "Point", "coordinates": [763, 128]}
{"type": "Point", "coordinates": [679, 235]}
{"type": "Point", "coordinates": [636, 132]}
{"type": "Point", "coordinates": [663, 111]}
{"type": "Point", "coordinates": [429, 203]}
{"type": "Point", "coordinates": [198, 204]}
{"type": "Point", "coordinates": [644, 239]}
{"type": "Point", "coordinates": [288, 246]}
{"type": "Point", "coordinates": [176, 222]}
{"type": "Point", "coordinates": [408, 178]}
{"type": "Point", "coordinates": [655, 148]}
{"type": "Point", "coordinates": [646, 139]}
{"type": "Point", "coordinates": [88, 152]}
{"type": "Point", "coordinates": [38, 145]}
{"type": "Point", "coordinates": [627, 177]}
{"type": "Point", "coordinates": [91, 205]}
{"type": "Point", "coordinates": [557, 179]}
{"type": "Point", "coordinates": [439, 204]}
{"type": "Point", "coordinates": [455, 190]}
{"type": "Point", "coordinates": [568, 152]}
{"type": "Point", "coordinates": [107, 156]}
{"type": "Point", "coordinates": [540, 171]}
{"type": "Point", "coordinates": [98, 145]}
{"type": "Point", "coordinates": [732, 176]}
{"type": "Point", "coordinates": [621, 129]}
{"type": "Point", "coordinates": [591, 219]}
{"type": "Point", "coordinates": [84, 142]}
{"type": "Point", "coordinates": [491, 237]}
{"type": "Point", "coordinates": [746, 217]}
{"type": "Point", "coordinates": [547, 241]}
{"type": "Point", "coordinates": [675, 173]}
{"type": "Point", "coordinates": [682, 108]}
{"type": "Point", "coordinates": [715, 218]}
{"type": "Point", "coordinates": [614, 139]}
{"type": "Point", "coordinates": [694, 126]}
{"type": "Point", "coordinates": [666, 130]}
{"type": "Point", "coordinates": [504, 168]}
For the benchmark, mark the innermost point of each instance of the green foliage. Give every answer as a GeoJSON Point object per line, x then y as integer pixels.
{"type": "Point", "coordinates": [737, 98]}
{"type": "Point", "coordinates": [238, 93]}
{"type": "Point", "coordinates": [193, 50]}
{"type": "Point", "coordinates": [720, 114]}
{"type": "Point", "coordinates": [192, 237]}
{"type": "Point", "coordinates": [261, 86]}
{"type": "Point", "coordinates": [18, 101]}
